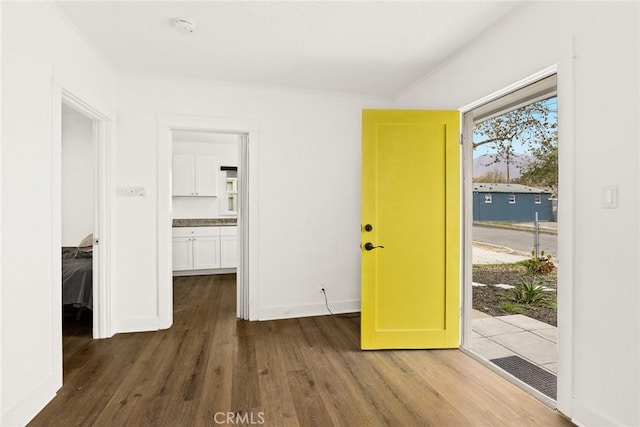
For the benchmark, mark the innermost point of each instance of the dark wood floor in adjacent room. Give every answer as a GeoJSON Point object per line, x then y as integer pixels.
{"type": "Point", "coordinates": [306, 372]}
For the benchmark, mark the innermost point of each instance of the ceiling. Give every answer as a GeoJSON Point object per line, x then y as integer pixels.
{"type": "Point", "coordinates": [366, 48]}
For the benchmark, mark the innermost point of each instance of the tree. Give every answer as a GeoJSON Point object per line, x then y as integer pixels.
{"type": "Point", "coordinates": [491, 177]}
{"type": "Point", "coordinates": [542, 170]}
{"type": "Point", "coordinates": [534, 126]}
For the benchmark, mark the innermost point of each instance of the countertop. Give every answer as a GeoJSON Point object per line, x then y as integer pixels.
{"type": "Point", "coordinates": [204, 222]}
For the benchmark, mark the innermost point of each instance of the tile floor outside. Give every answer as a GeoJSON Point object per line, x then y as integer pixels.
{"type": "Point", "coordinates": [502, 336]}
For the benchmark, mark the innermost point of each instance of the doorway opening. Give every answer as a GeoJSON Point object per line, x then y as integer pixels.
{"type": "Point", "coordinates": [81, 211]}
{"type": "Point", "coordinates": [240, 192]}
{"type": "Point", "coordinates": [511, 229]}
{"type": "Point", "coordinates": [78, 214]}
{"type": "Point", "coordinates": [205, 204]}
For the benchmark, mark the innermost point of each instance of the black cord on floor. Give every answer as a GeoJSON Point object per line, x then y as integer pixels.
{"type": "Point", "coordinates": [326, 302]}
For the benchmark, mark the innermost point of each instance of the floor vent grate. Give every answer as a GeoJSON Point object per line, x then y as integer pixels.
{"type": "Point", "coordinates": [543, 381]}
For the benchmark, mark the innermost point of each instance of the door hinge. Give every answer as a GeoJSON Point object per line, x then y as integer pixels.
{"type": "Point", "coordinates": [461, 139]}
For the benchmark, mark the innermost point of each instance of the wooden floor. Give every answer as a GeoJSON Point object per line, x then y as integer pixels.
{"type": "Point", "coordinates": [307, 372]}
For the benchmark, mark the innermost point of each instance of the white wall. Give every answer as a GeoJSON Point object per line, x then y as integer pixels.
{"type": "Point", "coordinates": [225, 149]}
{"type": "Point", "coordinates": [606, 359]}
{"type": "Point", "coordinates": [38, 46]}
{"type": "Point", "coordinates": [77, 177]}
{"type": "Point", "coordinates": [309, 192]}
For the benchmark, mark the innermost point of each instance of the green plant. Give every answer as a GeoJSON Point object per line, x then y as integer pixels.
{"type": "Point", "coordinates": [530, 291]}
{"type": "Point", "coordinates": [510, 307]}
{"type": "Point", "coordinates": [539, 265]}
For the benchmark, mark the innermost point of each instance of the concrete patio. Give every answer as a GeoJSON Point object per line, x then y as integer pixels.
{"type": "Point", "coordinates": [514, 335]}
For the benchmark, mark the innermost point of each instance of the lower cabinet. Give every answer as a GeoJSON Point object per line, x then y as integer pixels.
{"type": "Point", "coordinates": [206, 252]}
{"type": "Point", "coordinates": [182, 253]}
{"type": "Point", "coordinates": [228, 247]}
{"type": "Point", "coordinates": [204, 248]}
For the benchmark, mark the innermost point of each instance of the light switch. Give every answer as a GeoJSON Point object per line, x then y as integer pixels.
{"type": "Point", "coordinates": [132, 191]}
{"type": "Point", "coordinates": [609, 196]}
{"type": "Point", "coordinates": [127, 191]}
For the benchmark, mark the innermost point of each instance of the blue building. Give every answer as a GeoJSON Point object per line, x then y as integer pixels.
{"type": "Point", "coordinates": [511, 202]}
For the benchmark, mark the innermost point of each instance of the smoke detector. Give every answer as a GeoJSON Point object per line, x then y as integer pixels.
{"type": "Point", "coordinates": [184, 26]}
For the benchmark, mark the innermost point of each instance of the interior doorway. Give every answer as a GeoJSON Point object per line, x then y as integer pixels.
{"type": "Point", "coordinates": [511, 228]}
{"type": "Point", "coordinates": [81, 210]}
{"type": "Point", "coordinates": [205, 205]}
{"type": "Point", "coordinates": [78, 215]}
{"type": "Point", "coordinates": [247, 205]}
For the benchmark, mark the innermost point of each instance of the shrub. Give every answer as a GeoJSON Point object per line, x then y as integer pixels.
{"type": "Point", "coordinates": [530, 291]}
{"type": "Point", "coordinates": [539, 265]}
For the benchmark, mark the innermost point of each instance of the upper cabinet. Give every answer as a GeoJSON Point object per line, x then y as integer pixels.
{"type": "Point", "coordinates": [184, 175]}
{"type": "Point", "coordinates": [195, 175]}
{"type": "Point", "coordinates": [206, 175]}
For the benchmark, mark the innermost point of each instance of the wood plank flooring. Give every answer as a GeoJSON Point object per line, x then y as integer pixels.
{"type": "Point", "coordinates": [299, 372]}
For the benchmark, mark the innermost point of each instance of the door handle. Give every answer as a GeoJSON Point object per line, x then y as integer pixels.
{"type": "Point", "coordinates": [369, 246]}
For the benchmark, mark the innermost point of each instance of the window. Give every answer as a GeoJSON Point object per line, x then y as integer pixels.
{"type": "Point", "coordinates": [512, 199]}
{"type": "Point", "coordinates": [537, 199]}
{"type": "Point", "coordinates": [487, 198]}
{"type": "Point", "coordinates": [230, 202]}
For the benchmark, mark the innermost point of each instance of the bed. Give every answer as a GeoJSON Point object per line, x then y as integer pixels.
{"type": "Point", "coordinates": [77, 278]}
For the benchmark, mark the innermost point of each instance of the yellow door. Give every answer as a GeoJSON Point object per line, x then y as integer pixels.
{"type": "Point", "coordinates": [410, 229]}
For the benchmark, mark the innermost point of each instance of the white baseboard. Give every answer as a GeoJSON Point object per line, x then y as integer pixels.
{"type": "Point", "coordinates": [138, 324]}
{"type": "Point", "coordinates": [307, 310]}
{"type": "Point", "coordinates": [588, 417]}
{"type": "Point", "coordinates": [29, 406]}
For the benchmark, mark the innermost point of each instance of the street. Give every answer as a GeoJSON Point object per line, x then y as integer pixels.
{"type": "Point", "coordinates": [518, 240]}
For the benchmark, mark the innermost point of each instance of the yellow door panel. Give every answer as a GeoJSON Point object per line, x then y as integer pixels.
{"type": "Point", "coordinates": [411, 200]}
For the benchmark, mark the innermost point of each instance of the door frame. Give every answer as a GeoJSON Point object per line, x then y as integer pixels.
{"type": "Point", "coordinates": [564, 70]}
{"type": "Point", "coordinates": [102, 140]}
{"type": "Point", "coordinates": [247, 278]}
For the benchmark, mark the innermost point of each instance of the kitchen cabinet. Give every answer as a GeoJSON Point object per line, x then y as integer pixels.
{"type": "Point", "coordinates": [195, 175]}
{"type": "Point", "coordinates": [205, 248]}
{"type": "Point", "coordinates": [182, 250]}
{"type": "Point", "coordinates": [229, 247]}
{"type": "Point", "coordinates": [196, 248]}
{"type": "Point", "coordinates": [206, 252]}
